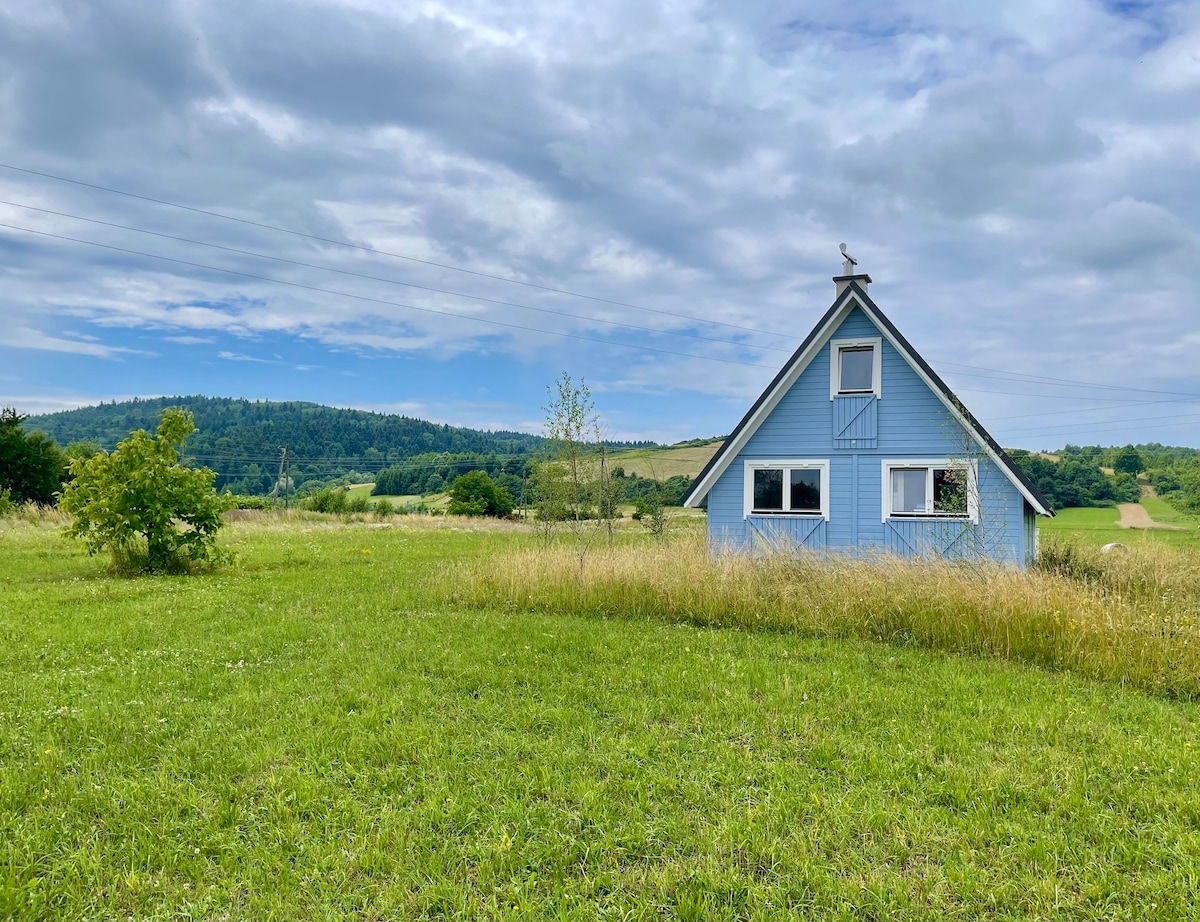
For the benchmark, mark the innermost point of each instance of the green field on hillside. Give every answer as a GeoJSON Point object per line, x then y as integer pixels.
{"type": "Point", "coordinates": [314, 732]}
{"type": "Point", "coordinates": [1162, 511]}
{"type": "Point", "coordinates": [661, 463]}
{"type": "Point", "coordinates": [1099, 526]}
{"type": "Point", "coordinates": [432, 500]}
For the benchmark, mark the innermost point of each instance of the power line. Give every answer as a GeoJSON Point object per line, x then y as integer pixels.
{"type": "Point", "coordinates": [357, 297]}
{"type": "Point", "coordinates": [1102, 409]}
{"type": "Point", "coordinates": [389, 281]}
{"type": "Point", "coordinates": [480, 274]}
{"type": "Point", "coordinates": [1102, 422]}
{"type": "Point", "coordinates": [367, 249]}
{"type": "Point", "coordinates": [1016, 376]}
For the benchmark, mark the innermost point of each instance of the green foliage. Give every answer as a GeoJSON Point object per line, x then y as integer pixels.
{"type": "Point", "coordinates": [242, 501]}
{"type": "Point", "coordinates": [1179, 484]}
{"type": "Point", "coordinates": [1129, 461]}
{"type": "Point", "coordinates": [649, 510]}
{"type": "Point", "coordinates": [82, 450]}
{"type": "Point", "coordinates": [330, 499]}
{"type": "Point", "coordinates": [669, 492]}
{"type": "Point", "coordinates": [6, 504]}
{"type": "Point", "coordinates": [476, 494]}
{"type": "Point", "coordinates": [415, 475]}
{"type": "Point", "coordinates": [384, 508]}
{"type": "Point", "coordinates": [141, 505]}
{"type": "Point", "coordinates": [32, 466]}
{"type": "Point", "coordinates": [1076, 480]}
{"type": "Point", "coordinates": [332, 442]}
{"type": "Point", "coordinates": [357, 504]}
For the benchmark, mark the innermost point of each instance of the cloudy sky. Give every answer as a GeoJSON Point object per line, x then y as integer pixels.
{"type": "Point", "coordinates": [434, 208]}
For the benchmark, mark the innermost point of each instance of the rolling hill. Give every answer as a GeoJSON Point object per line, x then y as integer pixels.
{"type": "Point", "coordinates": [243, 440]}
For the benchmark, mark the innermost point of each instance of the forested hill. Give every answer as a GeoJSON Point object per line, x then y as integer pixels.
{"type": "Point", "coordinates": [243, 438]}
{"type": "Point", "coordinates": [233, 426]}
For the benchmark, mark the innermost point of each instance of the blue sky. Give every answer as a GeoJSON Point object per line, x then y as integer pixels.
{"type": "Point", "coordinates": [1018, 178]}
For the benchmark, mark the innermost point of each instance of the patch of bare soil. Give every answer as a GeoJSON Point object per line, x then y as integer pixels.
{"type": "Point", "coordinates": [1134, 515]}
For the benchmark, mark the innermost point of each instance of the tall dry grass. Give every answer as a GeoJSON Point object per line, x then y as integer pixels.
{"type": "Point", "coordinates": [1131, 618]}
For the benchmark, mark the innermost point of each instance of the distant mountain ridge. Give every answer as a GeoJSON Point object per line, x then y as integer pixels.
{"type": "Point", "coordinates": [243, 440]}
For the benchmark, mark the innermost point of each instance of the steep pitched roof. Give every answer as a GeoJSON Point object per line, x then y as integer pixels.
{"type": "Point", "coordinates": [854, 296]}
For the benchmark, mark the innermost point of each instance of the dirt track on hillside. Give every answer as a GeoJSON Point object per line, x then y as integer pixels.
{"type": "Point", "coordinates": [1134, 515]}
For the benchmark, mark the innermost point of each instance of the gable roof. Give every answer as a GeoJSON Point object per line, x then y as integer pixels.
{"type": "Point", "coordinates": [854, 296]}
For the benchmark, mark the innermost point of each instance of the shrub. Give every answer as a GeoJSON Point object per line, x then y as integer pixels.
{"type": "Point", "coordinates": [357, 504]}
{"type": "Point", "coordinates": [242, 501]}
{"type": "Point", "coordinates": [476, 494]}
{"type": "Point", "coordinates": [140, 504]}
{"type": "Point", "coordinates": [329, 499]}
{"type": "Point", "coordinates": [384, 508]}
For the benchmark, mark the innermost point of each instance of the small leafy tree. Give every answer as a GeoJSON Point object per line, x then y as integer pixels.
{"type": "Point", "coordinates": [651, 512]}
{"type": "Point", "coordinates": [1129, 461]}
{"type": "Point", "coordinates": [140, 504]}
{"type": "Point", "coordinates": [474, 493]}
{"type": "Point", "coordinates": [573, 432]}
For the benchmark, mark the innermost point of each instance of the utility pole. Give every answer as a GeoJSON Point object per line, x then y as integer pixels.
{"type": "Point", "coordinates": [283, 478]}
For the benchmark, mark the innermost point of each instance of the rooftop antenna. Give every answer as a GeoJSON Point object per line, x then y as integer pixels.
{"type": "Point", "coordinates": [850, 261]}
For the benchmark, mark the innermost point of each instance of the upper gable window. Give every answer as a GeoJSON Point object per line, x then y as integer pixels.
{"type": "Point", "coordinates": [855, 367]}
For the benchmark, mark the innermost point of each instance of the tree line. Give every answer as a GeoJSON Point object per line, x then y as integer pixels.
{"type": "Point", "coordinates": [1096, 475]}
{"type": "Point", "coordinates": [242, 441]}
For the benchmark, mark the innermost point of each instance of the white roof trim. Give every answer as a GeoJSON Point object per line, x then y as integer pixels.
{"type": "Point", "coordinates": [842, 307]}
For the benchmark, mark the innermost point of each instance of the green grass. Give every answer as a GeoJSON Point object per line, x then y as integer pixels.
{"type": "Point", "coordinates": [1162, 511]}
{"type": "Point", "coordinates": [1099, 527]}
{"type": "Point", "coordinates": [430, 499]}
{"type": "Point", "coordinates": [661, 463]}
{"type": "Point", "coordinates": [310, 735]}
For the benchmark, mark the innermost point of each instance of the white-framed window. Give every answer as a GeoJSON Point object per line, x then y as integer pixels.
{"type": "Point", "coordinates": [787, 487]}
{"type": "Point", "coordinates": [940, 488]}
{"type": "Point", "coordinates": [856, 367]}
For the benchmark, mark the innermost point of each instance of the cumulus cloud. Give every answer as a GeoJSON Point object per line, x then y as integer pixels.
{"type": "Point", "coordinates": [1011, 175]}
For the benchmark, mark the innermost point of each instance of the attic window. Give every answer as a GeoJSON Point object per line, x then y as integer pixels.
{"type": "Point", "coordinates": [855, 367]}
{"type": "Point", "coordinates": [857, 364]}
{"type": "Point", "coordinates": [787, 488]}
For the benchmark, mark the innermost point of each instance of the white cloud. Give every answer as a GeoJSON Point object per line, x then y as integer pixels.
{"type": "Point", "coordinates": [1020, 166]}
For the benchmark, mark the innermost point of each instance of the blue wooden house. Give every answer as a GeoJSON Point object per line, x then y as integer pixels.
{"type": "Point", "coordinates": [858, 446]}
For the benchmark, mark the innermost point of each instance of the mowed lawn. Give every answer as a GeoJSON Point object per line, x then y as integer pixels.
{"type": "Point", "coordinates": [1099, 526]}
{"type": "Point", "coordinates": [306, 735]}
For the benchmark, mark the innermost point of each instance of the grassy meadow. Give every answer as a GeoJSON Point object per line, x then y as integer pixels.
{"type": "Point", "coordinates": [661, 463]}
{"type": "Point", "coordinates": [438, 719]}
{"type": "Point", "coordinates": [1098, 526]}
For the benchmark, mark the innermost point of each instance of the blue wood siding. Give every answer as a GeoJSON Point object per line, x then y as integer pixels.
{"type": "Point", "coordinates": [855, 422]}
{"type": "Point", "coordinates": [910, 424]}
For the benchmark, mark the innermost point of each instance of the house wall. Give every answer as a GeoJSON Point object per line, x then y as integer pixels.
{"type": "Point", "coordinates": [912, 423]}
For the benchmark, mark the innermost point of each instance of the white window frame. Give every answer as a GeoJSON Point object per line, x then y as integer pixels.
{"type": "Point", "coordinates": [787, 464]}
{"type": "Point", "coordinates": [930, 465]}
{"type": "Point", "coordinates": [835, 366]}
